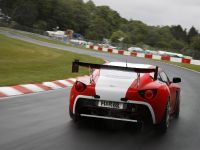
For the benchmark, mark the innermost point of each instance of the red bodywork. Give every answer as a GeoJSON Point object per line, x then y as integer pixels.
{"type": "Point", "coordinates": [164, 92]}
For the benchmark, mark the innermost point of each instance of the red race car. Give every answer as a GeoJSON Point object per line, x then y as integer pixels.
{"type": "Point", "coordinates": [126, 92]}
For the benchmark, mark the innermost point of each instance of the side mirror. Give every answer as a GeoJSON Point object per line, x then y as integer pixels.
{"type": "Point", "coordinates": [176, 80]}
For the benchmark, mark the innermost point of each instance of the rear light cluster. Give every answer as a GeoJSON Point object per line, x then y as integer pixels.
{"type": "Point", "coordinates": [79, 86]}
{"type": "Point", "coordinates": [148, 94]}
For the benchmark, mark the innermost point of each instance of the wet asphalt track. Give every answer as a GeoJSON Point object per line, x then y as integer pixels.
{"type": "Point", "coordinates": [40, 121]}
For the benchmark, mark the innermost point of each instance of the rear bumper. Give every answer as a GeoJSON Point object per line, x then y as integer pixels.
{"type": "Point", "coordinates": [135, 111]}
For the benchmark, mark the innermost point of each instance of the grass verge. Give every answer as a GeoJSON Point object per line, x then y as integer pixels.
{"type": "Point", "coordinates": [23, 62]}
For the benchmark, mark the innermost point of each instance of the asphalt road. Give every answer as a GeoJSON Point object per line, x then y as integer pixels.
{"type": "Point", "coordinates": [40, 121]}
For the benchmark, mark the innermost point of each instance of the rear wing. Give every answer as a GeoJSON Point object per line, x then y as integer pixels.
{"type": "Point", "coordinates": [76, 63]}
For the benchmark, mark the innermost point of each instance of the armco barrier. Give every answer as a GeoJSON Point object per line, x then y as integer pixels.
{"type": "Point", "coordinates": [148, 56]}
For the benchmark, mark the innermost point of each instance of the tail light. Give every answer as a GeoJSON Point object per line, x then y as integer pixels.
{"type": "Point", "coordinates": [148, 94]}
{"type": "Point", "coordinates": [79, 86]}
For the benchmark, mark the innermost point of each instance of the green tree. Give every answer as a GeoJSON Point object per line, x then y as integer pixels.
{"type": "Point", "coordinates": [138, 31]}
{"type": "Point", "coordinates": [25, 12]}
{"type": "Point", "coordinates": [152, 37]}
{"type": "Point", "coordinates": [98, 29]}
{"type": "Point", "coordinates": [195, 45]}
{"type": "Point", "coordinates": [191, 34]}
{"type": "Point", "coordinates": [40, 24]}
{"type": "Point", "coordinates": [7, 6]}
{"type": "Point", "coordinates": [177, 45]}
{"type": "Point", "coordinates": [179, 33]}
{"type": "Point", "coordinates": [110, 16]}
{"type": "Point", "coordinates": [116, 36]}
{"type": "Point", "coordinates": [162, 44]}
{"type": "Point", "coordinates": [90, 6]}
{"type": "Point", "coordinates": [80, 17]}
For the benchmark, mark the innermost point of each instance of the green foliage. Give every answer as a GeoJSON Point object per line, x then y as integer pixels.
{"type": "Point", "coordinates": [179, 33]}
{"type": "Point", "coordinates": [103, 22]}
{"type": "Point", "coordinates": [175, 44]}
{"type": "Point", "coordinates": [115, 37]}
{"type": "Point", "coordinates": [138, 31]}
{"type": "Point", "coordinates": [40, 25]}
{"type": "Point", "coordinates": [192, 33]}
{"type": "Point", "coordinates": [25, 12]}
{"type": "Point", "coordinates": [162, 44]}
{"type": "Point", "coordinates": [196, 46]}
{"type": "Point", "coordinates": [152, 38]}
{"type": "Point", "coordinates": [98, 29]}
{"type": "Point", "coordinates": [196, 43]}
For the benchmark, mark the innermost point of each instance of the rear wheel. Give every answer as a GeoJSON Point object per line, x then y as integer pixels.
{"type": "Point", "coordinates": [177, 111]}
{"type": "Point", "coordinates": [74, 117]}
{"type": "Point", "coordinates": [164, 124]}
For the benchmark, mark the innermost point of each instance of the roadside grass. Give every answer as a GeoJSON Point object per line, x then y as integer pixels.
{"type": "Point", "coordinates": [22, 62]}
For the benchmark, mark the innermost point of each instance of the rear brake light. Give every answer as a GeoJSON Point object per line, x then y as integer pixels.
{"type": "Point", "coordinates": [148, 94]}
{"type": "Point", "coordinates": [79, 86]}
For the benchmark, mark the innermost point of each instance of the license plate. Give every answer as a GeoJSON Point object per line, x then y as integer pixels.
{"type": "Point", "coordinates": [109, 104]}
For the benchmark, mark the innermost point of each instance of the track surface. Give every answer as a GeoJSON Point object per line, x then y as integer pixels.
{"type": "Point", "coordinates": [41, 121]}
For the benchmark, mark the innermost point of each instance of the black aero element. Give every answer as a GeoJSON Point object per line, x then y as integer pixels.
{"type": "Point", "coordinates": [124, 99]}
{"type": "Point", "coordinates": [77, 63]}
{"type": "Point", "coordinates": [96, 96]}
{"type": "Point", "coordinates": [75, 66]}
{"type": "Point", "coordinates": [176, 80]}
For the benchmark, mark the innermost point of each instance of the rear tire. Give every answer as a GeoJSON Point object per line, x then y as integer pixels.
{"type": "Point", "coordinates": [177, 111]}
{"type": "Point", "coordinates": [74, 117]}
{"type": "Point", "coordinates": [164, 124]}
